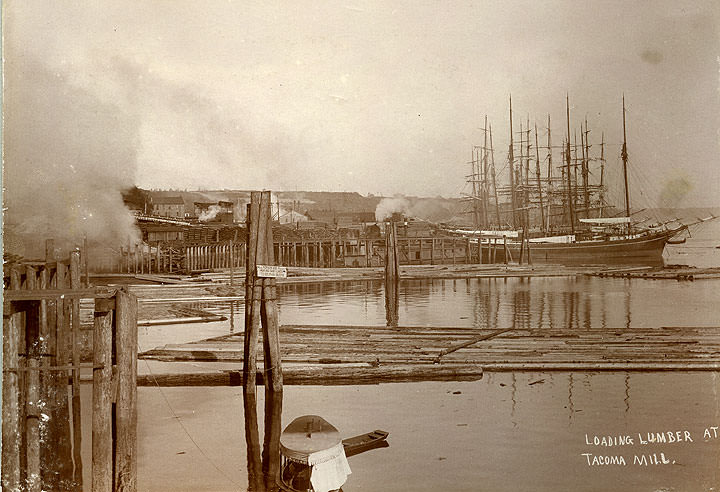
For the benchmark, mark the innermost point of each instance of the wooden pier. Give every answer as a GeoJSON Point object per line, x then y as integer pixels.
{"type": "Point", "coordinates": [168, 258]}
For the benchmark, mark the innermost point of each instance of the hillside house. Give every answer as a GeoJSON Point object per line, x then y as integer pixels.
{"type": "Point", "coordinates": [168, 206]}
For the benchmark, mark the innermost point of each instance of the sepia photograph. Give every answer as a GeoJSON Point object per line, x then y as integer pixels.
{"type": "Point", "coordinates": [316, 246]}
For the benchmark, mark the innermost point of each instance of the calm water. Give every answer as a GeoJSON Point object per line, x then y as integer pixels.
{"type": "Point", "coordinates": [507, 432]}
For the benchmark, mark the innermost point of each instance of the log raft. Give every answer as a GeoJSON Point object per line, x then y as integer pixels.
{"type": "Point", "coordinates": [331, 354]}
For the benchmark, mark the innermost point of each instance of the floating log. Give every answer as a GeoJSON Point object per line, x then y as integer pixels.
{"type": "Point", "coordinates": [324, 376]}
{"type": "Point", "coordinates": [471, 342]}
{"type": "Point", "coordinates": [181, 321]}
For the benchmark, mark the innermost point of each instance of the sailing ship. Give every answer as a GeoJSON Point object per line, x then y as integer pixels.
{"type": "Point", "coordinates": [543, 215]}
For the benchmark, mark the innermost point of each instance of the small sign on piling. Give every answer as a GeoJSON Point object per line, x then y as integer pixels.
{"type": "Point", "coordinates": [271, 271]}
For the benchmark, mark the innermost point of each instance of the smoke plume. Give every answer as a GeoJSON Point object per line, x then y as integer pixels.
{"type": "Point", "coordinates": [67, 157]}
{"type": "Point", "coordinates": [674, 192]}
{"type": "Point", "coordinates": [210, 213]}
{"type": "Point", "coordinates": [432, 209]}
{"type": "Point", "coordinates": [388, 206]}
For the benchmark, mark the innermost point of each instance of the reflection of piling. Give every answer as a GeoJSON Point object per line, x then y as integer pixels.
{"type": "Point", "coordinates": [260, 297]}
{"type": "Point", "coordinates": [252, 440]}
{"type": "Point", "coordinates": [392, 275]}
{"type": "Point", "coordinates": [271, 443]}
{"type": "Point", "coordinates": [263, 465]}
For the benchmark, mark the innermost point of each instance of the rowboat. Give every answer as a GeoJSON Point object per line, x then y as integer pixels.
{"type": "Point", "coordinates": [314, 458]}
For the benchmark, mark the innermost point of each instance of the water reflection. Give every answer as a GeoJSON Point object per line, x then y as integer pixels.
{"type": "Point", "coordinates": [392, 302]}
{"type": "Point", "coordinates": [263, 466]}
{"type": "Point", "coordinates": [547, 304]}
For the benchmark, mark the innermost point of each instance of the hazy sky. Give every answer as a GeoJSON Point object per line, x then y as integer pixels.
{"type": "Point", "coordinates": [376, 97]}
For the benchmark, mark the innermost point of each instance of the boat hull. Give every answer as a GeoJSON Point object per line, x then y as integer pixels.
{"type": "Point", "coordinates": [646, 250]}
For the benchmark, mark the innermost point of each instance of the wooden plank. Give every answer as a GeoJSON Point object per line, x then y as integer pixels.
{"type": "Point", "coordinates": [102, 448]}
{"type": "Point", "coordinates": [126, 401]}
{"type": "Point", "coordinates": [75, 350]}
{"type": "Point", "coordinates": [11, 426]}
{"type": "Point", "coordinates": [59, 381]}
{"type": "Point", "coordinates": [34, 481]}
{"type": "Point", "coordinates": [52, 294]}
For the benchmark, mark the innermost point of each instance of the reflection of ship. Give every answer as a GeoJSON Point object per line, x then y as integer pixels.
{"type": "Point", "coordinates": [561, 219]}
{"type": "Point", "coordinates": [314, 459]}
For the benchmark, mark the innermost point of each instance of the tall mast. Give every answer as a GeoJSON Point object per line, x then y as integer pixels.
{"type": "Point", "coordinates": [473, 177]}
{"type": "Point", "coordinates": [511, 159]}
{"type": "Point", "coordinates": [484, 182]}
{"type": "Point", "coordinates": [567, 160]}
{"type": "Point", "coordinates": [575, 170]}
{"type": "Point", "coordinates": [602, 174]}
{"type": "Point", "coordinates": [527, 175]}
{"type": "Point", "coordinates": [549, 175]}
{"type": "Point", "coordinates": [624, 155]}
{"type": "Point", "coordinates": [492, 169]}
{"type": "Point", "coordinates": [520, 180]}
{"type": "Point", "coordinates": [537, 175]}
{"type": "Point", "coordinates": [585, 159]}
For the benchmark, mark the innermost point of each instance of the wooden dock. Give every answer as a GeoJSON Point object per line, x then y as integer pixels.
{"type": "Point", "coordinates": [322, 354]}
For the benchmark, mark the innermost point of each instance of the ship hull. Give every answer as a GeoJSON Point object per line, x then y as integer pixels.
{"type": "Point", "coordinates": [646, 250]}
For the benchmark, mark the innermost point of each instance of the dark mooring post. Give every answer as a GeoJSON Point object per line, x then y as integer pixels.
{"type": "Point", "coordinates": [269, 311]}
{"type": "Point", "coordinates": [260, 298]}
{"type": "Point", "coordinates": [252, 313]}
{"type": "Point", "coordinates": [11, 400]}
{"type": "Point", "coordinates": [392, 275]}
{"type": "Point", "coordinates": [75, 353]}
{"type": "Point", "coordinates": [126, 400]}
{"type": "Point", "coordinates": [102, 461]}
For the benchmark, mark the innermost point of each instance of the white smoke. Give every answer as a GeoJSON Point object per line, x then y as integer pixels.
{"type": "Point", "coordinates": [210, 213]}
{"type": "Point", "coordinates": [67, 157]}
{"type": "Point", "coordinates": [388, 206]}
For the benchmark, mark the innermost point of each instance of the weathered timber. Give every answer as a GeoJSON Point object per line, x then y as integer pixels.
{"type": "Point", "coordinates": [176, 321]}
{"type": "Point", "coordinates": [324, 375]}
{"type": "Point", "coordinates": [75, 341]}
{"type": "Point", "coordinates": [102, 442]}
{"type": "Point", "coordinates": [11, 428]}
{"type": "Point", "coordinates": [126, 409]}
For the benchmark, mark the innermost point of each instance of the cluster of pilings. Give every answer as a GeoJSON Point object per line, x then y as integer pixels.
{"type": "Point", "coordinates": [42, 418]}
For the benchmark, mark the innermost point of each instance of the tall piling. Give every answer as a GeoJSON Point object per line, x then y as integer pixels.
{"type": "Point", "coordinates": [392, 274]}
{"type": "Point", "coordinates": [261, 298]}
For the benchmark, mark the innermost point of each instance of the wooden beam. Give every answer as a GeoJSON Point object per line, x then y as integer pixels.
{"type": "Point", "coordinates": [11, 425]}
{"type": "Point", "coordinates": [126, 406]}
{"type": "Point", "coordinates": [102, 448]}
{"type": "Point", "coordinates": [53, 294]}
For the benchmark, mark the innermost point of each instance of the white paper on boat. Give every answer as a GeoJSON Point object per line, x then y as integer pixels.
{"type": "Point", "coordinates": [330, 469]}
